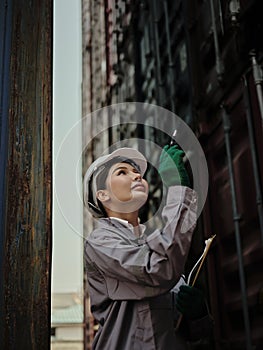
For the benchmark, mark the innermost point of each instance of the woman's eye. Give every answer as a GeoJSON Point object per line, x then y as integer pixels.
{"type": "Point", "coordinates": [121, 172]}
{"type": "Point", "coordinates": [136, 171]}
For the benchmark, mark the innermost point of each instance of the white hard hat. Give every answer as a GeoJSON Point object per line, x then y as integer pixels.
{"type": "Point", "coordinates": [90, 185]}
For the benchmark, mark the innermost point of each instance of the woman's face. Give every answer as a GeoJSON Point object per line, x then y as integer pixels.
{"type": "Point", "coordinates": [127, 190]}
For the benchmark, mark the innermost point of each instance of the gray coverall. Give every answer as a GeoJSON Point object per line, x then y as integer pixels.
{"type": "Point", "coordinates": [130, 277]}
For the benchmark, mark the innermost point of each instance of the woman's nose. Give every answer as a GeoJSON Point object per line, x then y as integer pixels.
{"type": "Point", "coordinates": [137, 177]}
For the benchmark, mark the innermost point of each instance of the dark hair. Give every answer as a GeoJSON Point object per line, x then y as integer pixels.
{"type": "Point", "coordinates": [99, 209]}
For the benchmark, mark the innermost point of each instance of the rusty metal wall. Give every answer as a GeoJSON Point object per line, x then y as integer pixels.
{"type": "Point", "coordinates": [220, 218]}
{"type": "Point", "coordinates": [192, 56]}
{"type": "Point", "coordinates": [220, 37]}
{"type": "Point", "coordinates": [27, 207]}
{"type": "Point", "coordinates": [233, 210]}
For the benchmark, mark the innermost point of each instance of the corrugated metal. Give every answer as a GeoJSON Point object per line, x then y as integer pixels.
{"type": "Point", "coordinates": [234, 272]}
{"type": "Point", "coordinates": [27, 246]}
{"type": "Point", "coordinates": [191, 57]}
{"type": "Point", "coordinates": [224, 279]}
{"type": "Point", "coordinates": [218, 57]}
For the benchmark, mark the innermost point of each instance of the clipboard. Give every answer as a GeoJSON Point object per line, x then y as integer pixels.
{"type": "Point", "coordinates": [198, 264]}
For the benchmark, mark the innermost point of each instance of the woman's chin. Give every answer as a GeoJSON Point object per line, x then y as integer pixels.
{"type": "Point", "coordinates": [130, 206]}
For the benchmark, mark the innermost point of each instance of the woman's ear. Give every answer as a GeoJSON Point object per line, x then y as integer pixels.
{"type": "Point", "coordinates": [103, 195]}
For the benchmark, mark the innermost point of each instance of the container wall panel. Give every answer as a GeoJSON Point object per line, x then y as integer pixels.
{"type": "Point", "coordinates": [194, 64]}
{"type": "Point", "coordinates": [224, 285]}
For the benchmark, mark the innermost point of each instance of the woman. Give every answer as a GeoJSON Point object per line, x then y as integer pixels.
{"type": "Point", "coordinates": [130, 274]}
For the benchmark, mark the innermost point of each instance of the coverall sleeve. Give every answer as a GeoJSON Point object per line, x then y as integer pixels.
{"type": "Point", "coordinates": [153, 267]}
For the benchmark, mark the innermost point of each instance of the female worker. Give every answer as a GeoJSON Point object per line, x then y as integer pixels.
{"type": "Point", "coordinates": [130, 274]}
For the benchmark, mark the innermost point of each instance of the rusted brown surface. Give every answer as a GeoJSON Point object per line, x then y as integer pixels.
{"type": "Point", "coordinates": [28, 207]}
{"type": "Point", "coordinates": [223, 272]}
{"type": "Point", "coordinates": [212, 79]}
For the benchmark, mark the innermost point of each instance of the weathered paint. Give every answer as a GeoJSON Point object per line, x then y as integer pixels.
{"type": "Point", "coordinates": [28, 179]}
{"type": "Point", "coordinates": [5, 40]}
{"type": "Point", "coordinates": [224, 281]}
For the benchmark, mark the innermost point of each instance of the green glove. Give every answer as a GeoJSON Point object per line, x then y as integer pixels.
{"type": "Point", "coordinates": [171, 167]}
{"type": "Point", "coordinates": [190, 302]}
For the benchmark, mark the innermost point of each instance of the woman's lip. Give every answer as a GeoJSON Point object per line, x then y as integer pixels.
{"type": "Point", "coordinates": [138, 186]}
